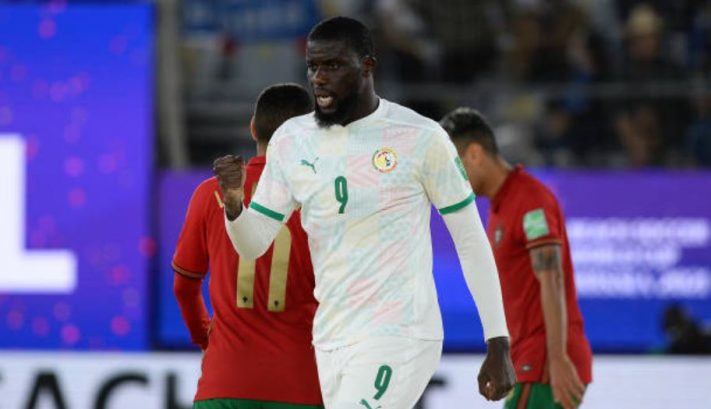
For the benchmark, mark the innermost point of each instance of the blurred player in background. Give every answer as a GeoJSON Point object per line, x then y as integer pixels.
{"type": "Point", "coordinates": [257, 347]}
{"type": "Point", "coordinates": [526, 229]}
{"type": "Point", "coordinates": [366, 173]}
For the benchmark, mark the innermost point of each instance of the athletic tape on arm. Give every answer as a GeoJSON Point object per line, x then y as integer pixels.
{"type": "Point", "coordinates": [479, 268]}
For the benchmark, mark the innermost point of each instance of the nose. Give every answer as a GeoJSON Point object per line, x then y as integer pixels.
{"type": "Point", "coordinates": [318, 77]}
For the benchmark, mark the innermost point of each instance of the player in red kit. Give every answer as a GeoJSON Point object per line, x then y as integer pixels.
{"type": "Point", "coordinates": [526, 228]}
{"type": "Point", "coordinates": [257, 346]}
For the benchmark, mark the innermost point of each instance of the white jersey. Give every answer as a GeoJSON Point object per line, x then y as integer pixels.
{"type": "Point", "coordinates": [365, 192]}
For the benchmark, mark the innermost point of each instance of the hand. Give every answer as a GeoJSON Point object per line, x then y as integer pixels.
{"type": "Point", "coordinates": [567, 388]}
{"type": "Point", "coordinates": [496, 377]}
{"type": "Point", "coordinates": [229, 171]}
{"type": "Point", "coordinates": [204, 341]}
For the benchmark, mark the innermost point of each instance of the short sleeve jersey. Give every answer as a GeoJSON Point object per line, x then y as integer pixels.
{"type": "Point", "coordinates": [263, 309]}
{"type": "Point", "coordinates": [365, 192]}
{"type": "Point", "coordinates": [525, 214]}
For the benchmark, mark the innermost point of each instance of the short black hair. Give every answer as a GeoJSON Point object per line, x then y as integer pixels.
{"type": "Point", "coordinates": [466, 124]}
{"type": "Point", "coordinates": [278, 103]}
{"type": "Point", "coordinates": [355, 34]}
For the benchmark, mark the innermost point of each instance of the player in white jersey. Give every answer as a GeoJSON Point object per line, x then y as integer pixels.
{"type": "Point", "coordinates": [365, 173]}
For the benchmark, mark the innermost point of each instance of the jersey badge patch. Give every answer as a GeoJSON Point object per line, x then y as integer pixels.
{"type": "Point", "coordinates": [535, 224]}
{"type": "Point", "coordinates": [385, 160]}
{"type": "Point", "coordinates": [498, 234]}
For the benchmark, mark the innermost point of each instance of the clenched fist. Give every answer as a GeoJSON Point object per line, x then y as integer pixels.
{"type": "Point", "coordinates": [497, 376]}
{"type": "Point", "coordinates": [230, 173]}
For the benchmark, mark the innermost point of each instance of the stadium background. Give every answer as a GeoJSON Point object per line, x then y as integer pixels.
{"type": "Point", "coordinates": [111, 112]}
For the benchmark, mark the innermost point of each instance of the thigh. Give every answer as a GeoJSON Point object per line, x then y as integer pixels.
{"type": "Point", "coordinates": [386, 373]}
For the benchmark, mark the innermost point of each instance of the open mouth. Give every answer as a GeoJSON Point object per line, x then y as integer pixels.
{"type": "Point", "coordinates": [324, 101]}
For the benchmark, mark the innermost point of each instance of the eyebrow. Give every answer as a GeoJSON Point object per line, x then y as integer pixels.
{"type": "Point", "coordinates": [323, 61]}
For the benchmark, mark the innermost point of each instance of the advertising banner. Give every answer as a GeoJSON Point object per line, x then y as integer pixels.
{"type": "Point", "coordinates": [168, 381]}
{"type": "Point", "coordinates": [641, 242]}
{"type": "Point", "coordinates": [76, 139]}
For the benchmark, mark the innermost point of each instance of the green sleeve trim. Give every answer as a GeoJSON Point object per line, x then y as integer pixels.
{"type": "Point", "coordinates": [455, 207]}
{"type": "Point", "coordinates": [267, 212]}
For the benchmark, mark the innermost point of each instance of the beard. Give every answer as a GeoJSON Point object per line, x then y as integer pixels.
{"type": "Point", "coordinates": [344, 111]}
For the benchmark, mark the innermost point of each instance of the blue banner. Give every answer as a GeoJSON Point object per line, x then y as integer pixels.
{"type": "Point", "coordinates": [76, 139]}
{"type": "Point", "coordinates": [641, 241]}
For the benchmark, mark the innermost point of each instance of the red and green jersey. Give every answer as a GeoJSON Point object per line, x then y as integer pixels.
{"type": "Point", "coordinates": [525, 214]}
{"type": "Point", "coordinates": [260, 343]}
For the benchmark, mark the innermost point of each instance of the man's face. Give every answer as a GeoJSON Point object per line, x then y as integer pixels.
{"type": "Point", "coordinates": [645, 48]}
{"type": "Point", "coordinates": [335, 73]}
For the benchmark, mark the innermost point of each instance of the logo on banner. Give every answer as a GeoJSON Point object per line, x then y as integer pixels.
{"type": "Point", "coordinates": [22, 270]}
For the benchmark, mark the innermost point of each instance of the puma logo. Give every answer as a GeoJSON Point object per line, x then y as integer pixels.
{"type": "Point", "coordinates": [311, 165]}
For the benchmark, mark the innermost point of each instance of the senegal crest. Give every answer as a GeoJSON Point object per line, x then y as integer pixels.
{"type": "Point", "coordinates": [385, 160]}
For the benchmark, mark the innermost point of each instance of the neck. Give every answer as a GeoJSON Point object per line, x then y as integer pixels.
{"type": "Point", "coordinates": [261, 149]}
{"type": "Point", "coordinates": [367, 104]}
{"type": "Point", "coordinates": [499, 170]}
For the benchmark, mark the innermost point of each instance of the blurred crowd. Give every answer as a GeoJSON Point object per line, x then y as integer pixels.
{"type": "Point", "coordinates": [621, 82]}
{"type": "Point", "coordinates": [567, 83]}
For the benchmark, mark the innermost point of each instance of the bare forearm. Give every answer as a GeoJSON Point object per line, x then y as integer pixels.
{"type": "Point", "coordinates": [547, 267]}
{"type": "Point", "coordinates": [554, 313]}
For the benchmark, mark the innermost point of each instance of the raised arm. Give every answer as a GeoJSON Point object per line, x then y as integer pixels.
{"type": "Point", "coordinates": [546, 262]}
{"type": "Point", "coordinates": [251, 231]}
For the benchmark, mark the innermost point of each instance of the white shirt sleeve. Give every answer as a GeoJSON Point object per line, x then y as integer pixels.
{"type": "Point", "coordinates": [256, 227]}
{"type": "Point", "coordinates": [252, 233]}
{"type": "Point", "coordinates": [479, 268]}
{"type": "Point", "coordinates": [273, 197]}
{"type": "Point", "coordinates": [443, 175]}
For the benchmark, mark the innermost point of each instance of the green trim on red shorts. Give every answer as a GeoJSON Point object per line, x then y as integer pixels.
{"type": "Point", "coordinates": [248, 404]}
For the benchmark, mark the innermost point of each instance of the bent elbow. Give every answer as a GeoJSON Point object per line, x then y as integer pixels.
{"type": "Point", "coordinates": [248, 250]}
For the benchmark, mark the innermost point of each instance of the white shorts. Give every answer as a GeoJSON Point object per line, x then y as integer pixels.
{"type": "Point", "coordinates": [377, 373]}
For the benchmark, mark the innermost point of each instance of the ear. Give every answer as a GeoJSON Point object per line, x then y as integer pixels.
{"type": "Point", "coordinates": [253, 129]}
{"type": "Point", "coordinates": [474, 153]}
{"type": "Point", "coordinates": [369, 65]}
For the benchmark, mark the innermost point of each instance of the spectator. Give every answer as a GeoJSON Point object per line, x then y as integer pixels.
{"type": "Point", "coordinates": [685, 335]}
{"type": "Point", "coordinates": [466, 32]}
{"type": "Point", "coordinates": [650, 126]}
{"type": "Point", "coordinates": [555, 134]}
{"type": "Point", "coordinates": [411, 56]}
{"type": "Point", "coordinates": [587, 65]}
{"type": "Point", "coordinates": [645, 61]}
{"type": "Point", "coordinates": [542, 31]}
